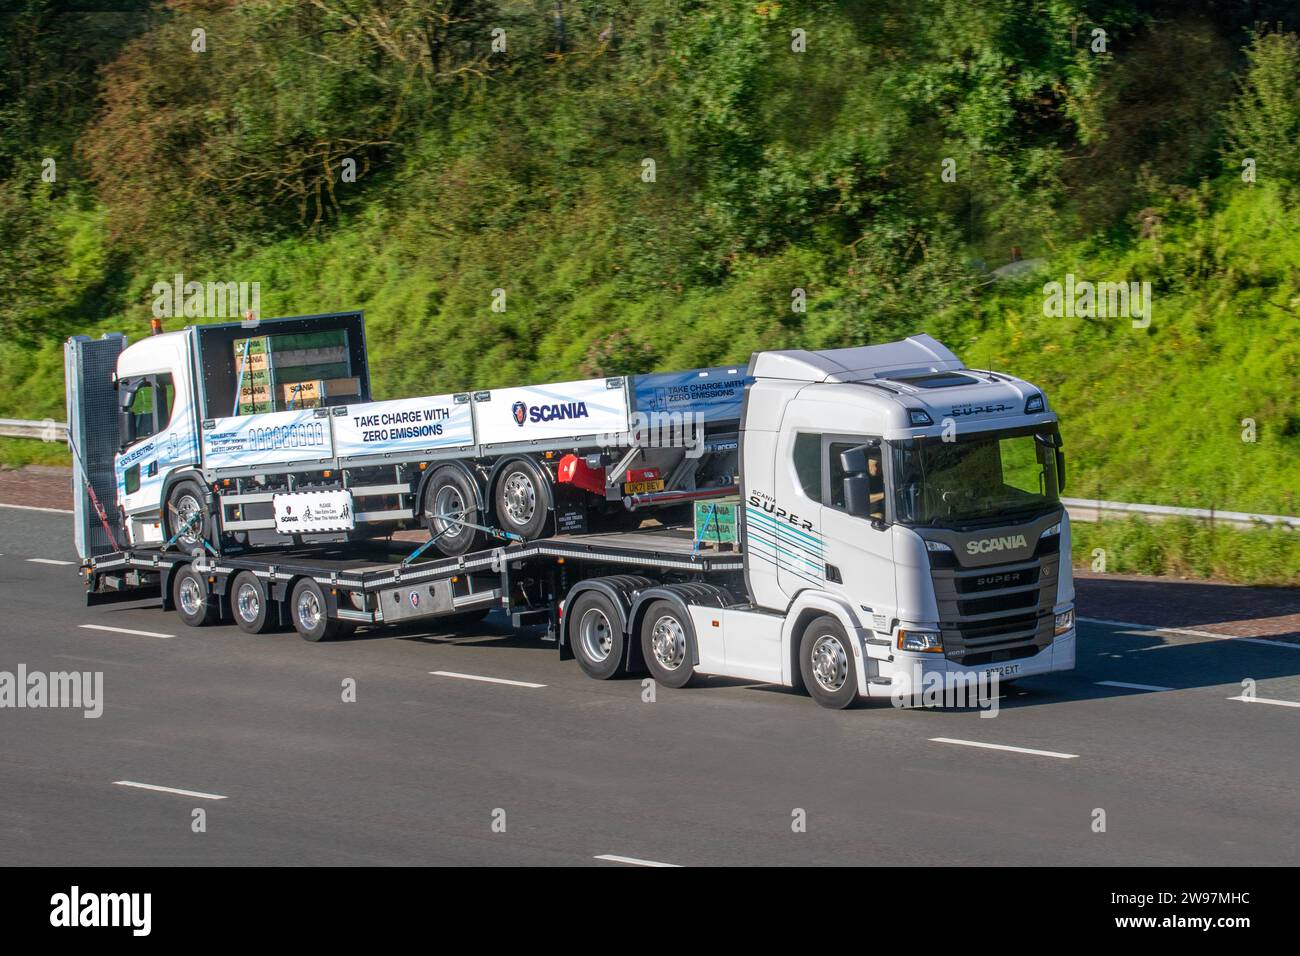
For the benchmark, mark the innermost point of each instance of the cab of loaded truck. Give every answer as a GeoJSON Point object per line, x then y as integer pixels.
{"type": "Point", "coordinates": [158, 428]}
{"type": "Point", "coordinates": [922, 494]}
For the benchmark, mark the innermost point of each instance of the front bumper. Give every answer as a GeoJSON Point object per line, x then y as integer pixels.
{"type": "Point", "coordinates": [902, 670]}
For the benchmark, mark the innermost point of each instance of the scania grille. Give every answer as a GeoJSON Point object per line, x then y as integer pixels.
{"type": "Point", "coordinates": [997, 613]}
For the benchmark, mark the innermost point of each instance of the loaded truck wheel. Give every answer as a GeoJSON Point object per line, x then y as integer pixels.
{"type": "Point", "coordinates": [668, 644]}
{"type": "Point", "coordinates": [523, 499]}
{"type": "Point", "coordinates": [310, 613]}
{"type": "Point", "coordinates": [184, 502]}
{"type": "Point", "coordinates": [597, 634]}
{"type": "Point", "coordinates": [249, 604]}
{"type": "Point", "coordinates": [449, 495]}
{"type": "Point", "coordinates": [194, 604]}
{"type": "Point", "coordinates": [826, 664]}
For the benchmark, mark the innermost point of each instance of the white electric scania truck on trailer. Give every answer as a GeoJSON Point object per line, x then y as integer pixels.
{"type": "Point", "coordinates": [897, 515]}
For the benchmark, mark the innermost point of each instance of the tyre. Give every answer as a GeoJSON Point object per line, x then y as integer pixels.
{"type": "Point", "coordinates": [195, 605]}
{"type": "Point", "coordinates": [186, 509]}
{"type": "Point", "coordinates": [310, 612]}
{"type": "Point", "coordinates": [451, 493]}
{"type": "Point", "coordinates": [597, 634]}
{"type": "Point", "coordinates": [249, 603]}
{"type": "Point", "coordinates": [826, 664]}
{"type": "Point", "coordinates": [668, 644]}
{"type": "Point", "coordinates": [523, 499]}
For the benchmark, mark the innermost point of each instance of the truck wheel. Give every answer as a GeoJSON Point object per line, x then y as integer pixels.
{"type": "Point", "coordinates": [450, 493]}
{"type": "Point", "coordinates": [310, 612]}
{"type": "Point", "coordinates": [597, 634]}
{"type": "Point", "coordinates": [194, 604]}
{"type": "Point", "coordinates": [249, 604]}
{"type": "Point", "coordinates": [826, 664]}
{"type": "Point", "coordinates": [668, 644]}
{"type": "Point", "coordinates": [183, 502]}
{"type": "Point", "coordinates": [523, 499]}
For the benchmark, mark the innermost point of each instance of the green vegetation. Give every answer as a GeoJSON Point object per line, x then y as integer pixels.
{"type": "Point", "coordinates": [1192, 549]}
{"type": "Point", "coordinates": [524, 170]}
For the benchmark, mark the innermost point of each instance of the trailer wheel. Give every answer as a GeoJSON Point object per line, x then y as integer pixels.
{"type": "Point", "coordinates": [194, 604]}
{"type": "Point", "coordinates": [183, 502]}
{"type": "Point", "coordinates": [523, 499]}
{"type": "Point", "coordinates": [249, 603]}
{"type": "Point", "coordinates": [310, 612]}
{"type": "Point", "coordinates": [826, 664]}
{"type": "Point", "coordinates": [449, 493]}
{"type": "Point", "coordinates": [668, 644]}
{"type": "Point", "coordinates": [597, 634]}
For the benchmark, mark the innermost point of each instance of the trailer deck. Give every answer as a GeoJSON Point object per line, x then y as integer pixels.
{"type": "Point", "coordinates": [482, 578]}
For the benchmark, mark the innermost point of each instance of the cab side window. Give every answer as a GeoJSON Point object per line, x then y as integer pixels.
{"type": "Point", "coordinates": [151, 406]}
{"type": "Point", "coordinates": [875, 476]}
{"type": "Point", "coordinates": [808, 464]}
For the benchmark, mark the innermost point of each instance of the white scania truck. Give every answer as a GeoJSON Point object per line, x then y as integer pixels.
{"type": "Point", "coordinates": [898, 514]}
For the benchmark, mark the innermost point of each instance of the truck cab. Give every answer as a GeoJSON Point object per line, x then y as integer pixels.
{"type": "Point", "coordinates": [914, 500]}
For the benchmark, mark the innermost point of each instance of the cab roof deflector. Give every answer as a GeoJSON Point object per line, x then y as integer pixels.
{"type": "Point", "coordinates": [915, 355]}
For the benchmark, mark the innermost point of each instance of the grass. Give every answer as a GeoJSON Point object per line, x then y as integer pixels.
{"type": "Point", "coordinates": [1190, 549]}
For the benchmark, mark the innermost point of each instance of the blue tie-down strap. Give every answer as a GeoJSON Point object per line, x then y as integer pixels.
{"type": "Point", "coordinates": [458, 519]}
{"type": "Point", "coordinates": [186, 527]}
{"type": "Point", "coordinates": [695, 548]}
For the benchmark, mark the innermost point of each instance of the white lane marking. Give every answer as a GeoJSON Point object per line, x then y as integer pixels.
{"type": "Point", "coordinates": [486, 680]}
{"type": "Point", "coordinates": [1129, 625]}
{"type": "Point", "coordinates": [55, 511]}
{"type": "Point", "coordinates": [48, 561]}
{"type": "Point", "coordinates": [1127, 686]}
{"type": "Point", "coordinates": [123, 630]}
{"type": "Point", "coordinates": [633, 861]}
{"type": "Point", "coordinates": [1019, 750]}
{"type": "Point", "coordinates": [184, 793]}
{"type": "Point", "coordinates": [1266, 700]}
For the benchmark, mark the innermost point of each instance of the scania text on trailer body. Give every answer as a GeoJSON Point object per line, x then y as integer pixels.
{"type": "Point", "coordinates": [898, 515]}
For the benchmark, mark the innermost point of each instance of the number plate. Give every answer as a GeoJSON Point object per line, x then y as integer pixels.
{"type": "Point", "coordinates": [1005, 670]}
{"type": "Point", "coordinates": [642, 487]}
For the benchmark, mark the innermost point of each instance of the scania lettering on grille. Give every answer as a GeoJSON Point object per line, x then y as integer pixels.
{"type": "Point", "coordinates": [985, 545]}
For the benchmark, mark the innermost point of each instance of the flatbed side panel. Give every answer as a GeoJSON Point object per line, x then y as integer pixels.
{"type": "Point", "coordinates": [715, 394]}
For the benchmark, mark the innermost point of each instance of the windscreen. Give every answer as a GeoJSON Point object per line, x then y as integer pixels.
{"type": "Point", "coordinates": [978, 477]}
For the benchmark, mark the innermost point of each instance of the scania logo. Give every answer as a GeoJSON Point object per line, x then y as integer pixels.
{"type": "Point", "coordinates": [415, 598]}
{"type": "Point", "coordinates": [548, 413]}
{"type": "Point", "coordinates": [985, 545]}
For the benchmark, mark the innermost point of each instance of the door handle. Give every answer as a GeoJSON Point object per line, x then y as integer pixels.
{"type": "Point", "coordinates": [833, 574]}
{"type": "Point", "coordinates": [152, 470]}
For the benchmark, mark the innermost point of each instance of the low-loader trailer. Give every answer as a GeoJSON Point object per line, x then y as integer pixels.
{"type": "Point", "coordinates": [897, 519]}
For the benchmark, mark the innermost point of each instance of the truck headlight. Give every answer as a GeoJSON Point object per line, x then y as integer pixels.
{"type": "Point", "coordinates": [1064, 621]}
{"type": "Point", "coordinates": [925, 642]}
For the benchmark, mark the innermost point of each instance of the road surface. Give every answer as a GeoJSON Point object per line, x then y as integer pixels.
{"type": "Point", "coordinates": [555, 768]}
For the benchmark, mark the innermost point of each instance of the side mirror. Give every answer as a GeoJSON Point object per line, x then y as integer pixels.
{"type": "Point", "coordinates": [125, 429]}
{"type": "Point", "coordinates": [854, 462]}
{"type": "Point", "coordinates": [1060, 470]}
{"type": "Point", "coordinates": [857, 494]}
